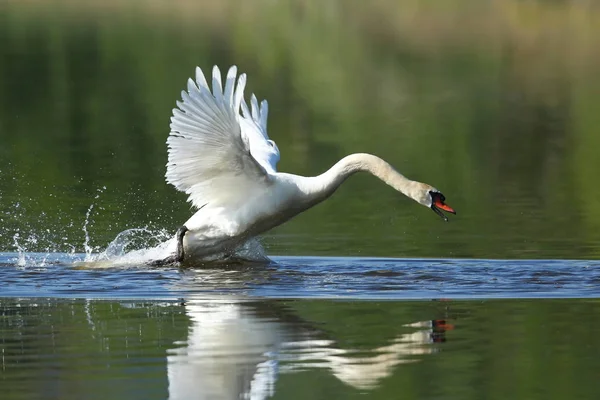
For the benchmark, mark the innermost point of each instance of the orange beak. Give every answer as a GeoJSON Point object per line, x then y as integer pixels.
{"type": "Point", "coordinates": [442, 206]}
{"type": "Point", "coordinates": [438, 205]}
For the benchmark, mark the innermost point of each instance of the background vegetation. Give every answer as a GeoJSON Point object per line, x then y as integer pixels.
{"type": "Point", "coordinates": [495, 103]}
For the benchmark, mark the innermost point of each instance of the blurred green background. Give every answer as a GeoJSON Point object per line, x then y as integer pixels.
{"type": "Point", "coordinates": [495, 103]}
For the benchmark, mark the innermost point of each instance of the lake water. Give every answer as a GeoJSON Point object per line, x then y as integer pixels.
{"type": "Point", "coordinates": [208, 348]}
{"type": "Point", "coordinates": [368, 294]}
{"type": "Point", "coordinates": [299, 327]}
{"type": "Point", "coordinates": [67, 276]}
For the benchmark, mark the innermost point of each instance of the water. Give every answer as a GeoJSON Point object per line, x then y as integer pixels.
{"type": "Point", "coordinates": [368, 294]}
{"type": "Point", "coordinates": [297, 349]}
{"type": "Point", "coordinates": [68, 276]}
{"type": "Point", "coordinates": [299, 327]}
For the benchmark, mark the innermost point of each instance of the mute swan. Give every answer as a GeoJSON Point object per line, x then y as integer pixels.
{"type": "Point", "coordinates": [224, 160]}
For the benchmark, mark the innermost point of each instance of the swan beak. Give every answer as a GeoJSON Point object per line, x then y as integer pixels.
{"type": "Point", "coordinates": [439, 205]}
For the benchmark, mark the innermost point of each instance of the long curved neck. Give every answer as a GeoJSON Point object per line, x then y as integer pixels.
{"type": "Point", "coordinates": [320, 187]}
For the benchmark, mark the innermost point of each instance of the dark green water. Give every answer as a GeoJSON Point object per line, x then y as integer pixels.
{"type": "Point", "coordinates": [300, 349]}
{"type": "Point", "coordinates": [494, 103]}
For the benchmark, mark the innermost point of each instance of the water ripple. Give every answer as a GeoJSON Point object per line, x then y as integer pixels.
{"type": "Point", "coordinates": [55, 275]}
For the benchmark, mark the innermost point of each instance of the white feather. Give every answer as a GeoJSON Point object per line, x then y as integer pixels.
{"type": "Point", "coordinates": [229, 85]}
{"type": "Point", "coordinates": [254, 105]}
{"type": "Point", "coordinates": [200, 79]}
{"type": "Point", "coordinates": [239, 92]}
{"type": "Point", "coordinates": [210, 152]}
{"type": "Point", "coordinates": [245, 112]}
{"type": "Point", "coordinates": [264, 112]}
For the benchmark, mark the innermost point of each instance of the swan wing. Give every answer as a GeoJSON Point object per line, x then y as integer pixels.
{"type": "Point", "coordinates": [210, 147]}
{"type": "Point", "coordinates": [254, 129]}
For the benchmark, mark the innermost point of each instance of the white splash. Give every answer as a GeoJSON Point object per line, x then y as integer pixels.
{"type": "Point", "coordinates": [143, 246]}
{"type": "Point", "coordinates": [136, 247]}
{"type": "Point", "coordinates": [86, 243]}
{"type": "Point", "coordinates": [21, 260]}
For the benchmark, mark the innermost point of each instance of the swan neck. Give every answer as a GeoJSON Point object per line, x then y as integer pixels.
{"type": "Point", "coordinates": [325, 184]}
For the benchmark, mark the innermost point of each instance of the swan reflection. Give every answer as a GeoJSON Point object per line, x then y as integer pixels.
{"type": "Point", "coordinates": [237, 349]}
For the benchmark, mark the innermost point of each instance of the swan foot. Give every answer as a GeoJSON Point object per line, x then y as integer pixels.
{"type": "Point", "coordinates": [179, 255]}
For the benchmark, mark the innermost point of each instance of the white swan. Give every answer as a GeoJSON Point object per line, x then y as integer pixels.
{"type": "Point", "coordinates": [224, 160]}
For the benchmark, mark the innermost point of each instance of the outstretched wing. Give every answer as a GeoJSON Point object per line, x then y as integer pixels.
{"type": "Point", "coordinates": [209, 157]}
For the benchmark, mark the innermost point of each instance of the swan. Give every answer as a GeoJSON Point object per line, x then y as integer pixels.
{"type": "Point", "coordinates": [219, 153]}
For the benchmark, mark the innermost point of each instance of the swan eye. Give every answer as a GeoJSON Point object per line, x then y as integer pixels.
{"type": "Point", "coordinates": [437, 195]}
{"type": "Point", "coordinates": [271, 143]}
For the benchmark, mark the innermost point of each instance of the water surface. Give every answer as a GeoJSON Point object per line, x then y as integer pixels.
{"type": "Point", "coordinates": [225, 348]}
{"type": "Point", "coordinates": [65, 275]}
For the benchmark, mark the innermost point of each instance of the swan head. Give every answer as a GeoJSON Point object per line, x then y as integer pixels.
{"type": "Point", "coordinates": [432, 198]}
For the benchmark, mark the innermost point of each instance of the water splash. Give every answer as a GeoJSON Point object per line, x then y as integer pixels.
{"type": "Point", "coordinates": [26, 258]}
{"type": "Point", "coordinates": [142, 246]}
{"type": "Point", "coordinates": [36, 245]}
{"type": "Point", "coordinates": [252, 250]}
{"type": "Point", "coordinates": [86, 243]}
{"type": "Point", "coordinates": [136, 239]}
{"type": "Point", "coordinates": [21, 260]}
{"type": "Point", "coordinates": [136, 246]}
{"type": "Point", "coordinates": [36, 236]}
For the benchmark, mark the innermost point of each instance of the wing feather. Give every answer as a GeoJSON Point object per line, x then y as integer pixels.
{"type": "Point", "coordinates": [217, 89]}
{"type": "Point", "coordinates": [254, 105]}
{"type": "Point", "coordinates": [245, 112]}
{"type": "Point", "coordinates": [201, 79]}
{"type": "Point", "coordinates": [211, 156]}
{"type": "Point", "coordinates": [229, 86]}
{"type": "Point", "coordinates": [264, 112]}
{"type": "Point", "coordinates": [239, 92]}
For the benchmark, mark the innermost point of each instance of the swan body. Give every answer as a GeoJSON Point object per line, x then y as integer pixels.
{"type": "Point", "coordinates": [220, 154]}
